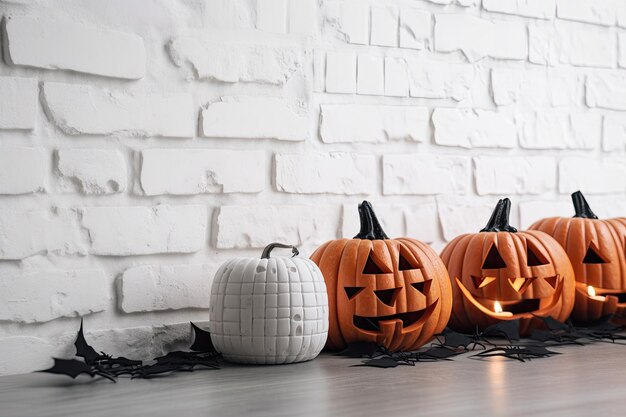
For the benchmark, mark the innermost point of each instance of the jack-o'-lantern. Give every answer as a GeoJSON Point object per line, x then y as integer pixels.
{"type": "Point", "coordinates": [597, 250]}
{"type": "Point", "coordinates": [394, 292]}
{"type": "Point", "coordinates": [504, 274]}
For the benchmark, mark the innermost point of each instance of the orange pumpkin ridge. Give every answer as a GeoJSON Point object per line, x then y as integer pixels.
{"type": "Point", "coordinates": [526, 272]}
{"type": "Point", "coordinates": [597, 251]}
{"type": "Point", "coordinates": [394, 292]}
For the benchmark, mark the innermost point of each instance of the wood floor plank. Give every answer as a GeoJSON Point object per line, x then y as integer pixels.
{"type": "Point", "coordinates": [584, 381]}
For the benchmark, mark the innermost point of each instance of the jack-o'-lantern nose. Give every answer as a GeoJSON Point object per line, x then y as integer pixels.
{"type": "Point", "coordinates": [388, 297]}
{"type": "Point", "coordinates": [520, 284]}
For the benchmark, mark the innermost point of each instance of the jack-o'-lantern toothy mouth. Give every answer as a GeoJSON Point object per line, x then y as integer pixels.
{"type": "Point", "coordinates": [411, 320]}
{"type": "Point", "coordinates": [603, 292]}
{"type": "Point", "coordinates": [523, 308]}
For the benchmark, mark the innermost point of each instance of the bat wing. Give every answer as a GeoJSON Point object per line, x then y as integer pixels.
{"type": "Point", "coordinates": [69, 367]}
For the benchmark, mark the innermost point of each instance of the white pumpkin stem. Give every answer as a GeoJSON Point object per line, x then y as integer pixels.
{"type": "Point", "coordinates": [272, 246]}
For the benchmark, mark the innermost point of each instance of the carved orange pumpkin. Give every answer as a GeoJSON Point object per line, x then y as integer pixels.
{"type": "Point", "coordinates": [395, 292]}
{"type": "Point", "coordinates": [597, 250]}
{"type": "Point", "coordinates": [502, 274]}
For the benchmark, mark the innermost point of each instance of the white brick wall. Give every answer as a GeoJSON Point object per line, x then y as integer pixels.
{"type": "Point", "coordinates": [18, 103]}
{"type": "Point", "coordinates": [140, 150]}
{"type": "Point", "coordinates": [165, 287]}
{"type": "Point", "coordinates": [91, 171]}
{"type": "Point", "coordinates": [59, 44]}
{"type": "Point", "coordinates": [125, 231]}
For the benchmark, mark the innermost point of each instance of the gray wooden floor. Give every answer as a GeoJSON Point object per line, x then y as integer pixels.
{"type": "Point", "coordinates": [588, 380]}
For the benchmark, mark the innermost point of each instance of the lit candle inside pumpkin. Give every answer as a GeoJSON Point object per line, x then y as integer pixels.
{"type": "Point", "coordinates": [592, 294]}
{"type": "Point", "coordinates": [497, 308]}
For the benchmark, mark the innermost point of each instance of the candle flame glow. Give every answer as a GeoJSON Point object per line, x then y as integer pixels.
{"type": "Point", "coordinates": [497, 307]}
{"type": "Point", "coordinates": [591, 291]}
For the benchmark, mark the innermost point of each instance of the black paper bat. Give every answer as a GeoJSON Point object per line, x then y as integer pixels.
{"type": "Point", "coordinates": [508, 329]}
{"type": "Point", "coordinates": [83, 349]}
{"type": "Point", "coordinates": [74, 368]}
{"type": "Point", "coordinates": [361, 350]}
{"type": "Point", "coordinates": [386, 362]}
{"type": "Point", "coordinates": [438, 353]}
{"type": "Point", "coordinates": [520, 353]}
{"type": "Point", "coordinates": [202, 340]}
{"type": "Point", "coordinates": [203, 356]}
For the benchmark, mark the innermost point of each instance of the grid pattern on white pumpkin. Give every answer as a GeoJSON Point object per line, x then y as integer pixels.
{"type": "Point", "coordinates": [280, 316]}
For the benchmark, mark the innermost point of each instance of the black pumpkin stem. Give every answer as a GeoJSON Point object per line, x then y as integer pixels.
{"type": "Point", "coordinates": [370, 227]}
{"type": "Point", "coordinates": [582, 207]}
{"type": "Point", "coordinates": [499, 220]}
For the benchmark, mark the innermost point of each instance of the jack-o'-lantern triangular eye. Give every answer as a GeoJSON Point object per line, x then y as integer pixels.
{"type": "Point", "coordinates": [352, 292]}
{"type": "Point", "coordinates": [534, 256]}
{"type": "Point", "coordinates": [423, 286]}
{"type": "Point", "coordinates": [372, 267]}
{"type": "Point", "coordinates": [493, 259]}
{"type": "Point", "coordinates": [593, 257]}
{"type": "Point", "coordinates": [404, 264]}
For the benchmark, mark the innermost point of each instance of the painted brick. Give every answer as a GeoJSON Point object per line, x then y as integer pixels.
{"type": "Point", "coordinates": [333, 173]}
{"type": "Point", "coordinates": [255, 226]}
{"type": "Point", "coordinates": [49, 43]}
{"type": "Point", "coordinates": [601, 12]}
{"type": "Point", "coordinates": [396, 77]}
{"type": "Point", "coordinates": [303, 17]}
{"type": "Point", "coordinates": [232, 62]}
{"type": "Point", "coordinates": [384, 25]}
{"type": "Point", "coordinates": [439, 79]}
{"type": "Point", "coordinates": [571, 43]}
{"type": "Point", "coordinates": [216, 14]}
{"type": "Point", "coordinates": [502, 175]}
{"type": "Point", "coordinates": [197, 171]}
{"type": "Point", "coordinates": [319, 71]}
{"type": "Point", "coordinates": [607, 90]}
{"type": "Point", "coordinates": [23, 170]}
{"type": "Point", "coordinates": [40, 296]}
{"type": "Point", "coordinates": [256, 118]}
{"type": "Point", "coordinates": [548, 129]}
{"type": "Point", "coordinates": [532, 211]}
{"type": "Point", "coordinates": [79, 109]}
{"type": "Point", "coordinates": [374, 123]}
{"type": "Point", "coordinates": [415, 28]}
{"type": "Point", "coordinates": [536, 88]}
{"type": "Point", "coordinates": [614, 133]}
{"type": "Point", "coordinates": [145, 342]}
{"type": "Point", "coordinates": [473, 128]}
{"type": "Point", "coordinates": [594, 176]}
{"type": "Point", "coordinates": [622, 50]}
{"type": "Point", "coordinates": [370, 75]}
{"type": "Point", "coordinates": [355, 21]}
{"type": "Point", "coordinates": [24, 354]}
{"type": "Point", "coordinates": [461, 216]}
{"type": "Point", "coordinates": [422, 222]}
{"type": "Point", "coordinates": [541, 9]}
{"type": "Point", "coordinates": [92, 171]}
{"type": "Point", "coordinates": [425, 174]}
{"type": "Point", "coordinates": [341, 72]}
{"type": "Point", "coordinates": [18, 103]}
{"type": "Point", "coordinates": [271, 15]}
{"type": "Point", "coordinates": [123, 231]}
{"type": "Point", "coordinates": [478, 38]}
{"type": "Point", "coordinates": [21, 233]}
{"type": "Point", "coordinates": [166, 287]}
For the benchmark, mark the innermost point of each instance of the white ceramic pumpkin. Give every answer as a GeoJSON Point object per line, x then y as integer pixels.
{"type": "Point", "coordinates": [269, 310]}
